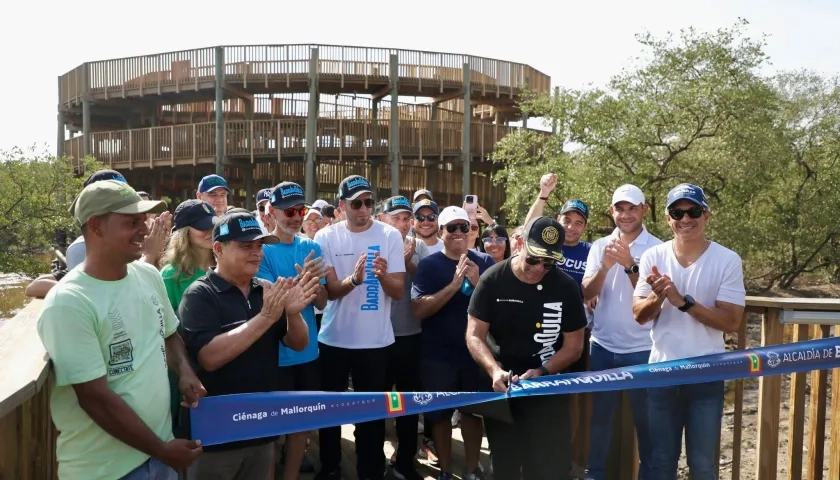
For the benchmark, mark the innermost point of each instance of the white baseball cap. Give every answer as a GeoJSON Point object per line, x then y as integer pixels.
{"type": "Point", "coordinates": [320, 204]}
{"type": "Point", "coordinates": [628, 193]}
{"type": "Point", "coordinates": [311, 212]}
{"type": "Point", "coordinates": [450, 214]}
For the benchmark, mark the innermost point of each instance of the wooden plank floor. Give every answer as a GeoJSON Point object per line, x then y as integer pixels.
{"type": "Point", "coordinates": [348, 461]}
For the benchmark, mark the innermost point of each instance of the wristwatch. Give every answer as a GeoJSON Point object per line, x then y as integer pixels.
{"type": "Point", "coordinates": [634, 270]}
{"type": "Point", "coordinates": [689, 302]}
{"type": "Point", "coordinates": [543, 370]}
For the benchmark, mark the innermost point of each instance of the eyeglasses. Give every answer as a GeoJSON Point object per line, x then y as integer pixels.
{"type": "Point", "coordinates": [357, 204]}
{"type": "Point", "coordinates": [491, 240]}
{"type": "Point", "coordinates": [430, 217]}
{"type": "Point", "coordinates": [547, 264]}
{"type": "Point", "coordinates": [457, 226]}
{"type": "Point", "coordinates": [693, 212]}
{"type": "Point", "coordinates": [290, 212]}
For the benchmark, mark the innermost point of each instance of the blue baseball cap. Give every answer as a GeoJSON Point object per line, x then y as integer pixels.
{"type": "Point", "coordinates": [263, 195]}
{"type": "Point", "coordinates": [576, 206]}
{"type": "Point", "coordinates": [426, 203]}
{"type": "Point", "coordinates": [287, 195]}
{"type": "Point", "coordinates": [687, 191]}
{"type": "Point", "coordinates": [396, 205]}
{"type": "Point", "coordinates": [353, 186]}
{"type": "Point", "coordinates": [104, 175]}
{"type": "Point", "coordinates": [212, 182]}
{"type": "Point", "coordinates": [194, 213]}
{"type": "Point", "coordinates": [241, 227]}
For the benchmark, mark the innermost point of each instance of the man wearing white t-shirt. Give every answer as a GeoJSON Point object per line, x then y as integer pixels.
{"type": "Point", "coordinates": [611, 274]}
{"type": "Point", "coordinates": [426, 224]}
{"type": "Point", "coordinates": [365, 272]}
{"type": "Point", "coordinates": [692, 289]}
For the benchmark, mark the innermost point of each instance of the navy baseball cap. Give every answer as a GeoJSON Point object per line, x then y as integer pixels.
{"type": "Point", "coordinates": [104, 175]}
{"type": "Point", "coordinates": [425, 203]}
{"type": "Point", "coordinates": [212, 182]}
{"type": "Point", "coordinates": [687, 191]}
{"type": "Point", "coordinates": [576, 206]}
{"type": "Point", "coordinates": [194, 213]}
{"type": "Point", "coordinates": [543, 237]}
{"type": "Point", "coordinates": [353, 186]}
{"type": "Point", "coordinates": [241, 227]}
{"type": "Point", "coordinates": [263, 195]}
{"type": "Point", "coordinates": [396, 205]}
{"type": "Point", "coordinates": [287, 195]}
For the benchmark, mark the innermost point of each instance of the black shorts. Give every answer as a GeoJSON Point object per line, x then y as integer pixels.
{"type": "Point", "coordinates": [582, 363]}
{"type": "Point", "coordinates": [303, 377]}
{"type": "Point", "coordinates": [438, 376]}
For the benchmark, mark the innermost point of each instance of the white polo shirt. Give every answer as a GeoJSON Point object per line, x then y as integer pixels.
{"type": "Point", "coordinates": [716, 276]}
{"type": "Point", "coordinates": [613, 325]}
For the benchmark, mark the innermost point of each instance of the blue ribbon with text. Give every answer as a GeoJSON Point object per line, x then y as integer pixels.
{"type": "Point", "coordinates": [230, 418]}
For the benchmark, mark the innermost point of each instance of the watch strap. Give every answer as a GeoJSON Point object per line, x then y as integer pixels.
{"type": "Point", "coordinates": [544, 370]}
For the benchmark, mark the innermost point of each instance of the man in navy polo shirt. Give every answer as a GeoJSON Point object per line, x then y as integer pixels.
{"type": "Point", "coordinates": [214, 190]}
{"type": "Point", "coordinates": [232, 324]}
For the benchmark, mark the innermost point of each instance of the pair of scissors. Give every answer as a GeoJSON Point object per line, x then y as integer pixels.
{"type": "Point", "coordinates": [510, 382]}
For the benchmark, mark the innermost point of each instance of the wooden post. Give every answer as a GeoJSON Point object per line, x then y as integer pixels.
{"type": "Point", "coordinates": [769, 400]}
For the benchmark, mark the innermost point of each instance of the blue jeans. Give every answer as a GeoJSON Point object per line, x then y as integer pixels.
{"type": "Point", "coordinates": [151, 469]}
{"type": "Point", "coordinates": [696, 408]}
{"type": "Point", "coordinates": [604, 405]}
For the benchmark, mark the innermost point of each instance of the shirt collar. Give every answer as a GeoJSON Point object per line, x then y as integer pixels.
{"type": "Point", "coordinates": [642, 239]}
{"type": "Point", "coordinates": [220, 285]}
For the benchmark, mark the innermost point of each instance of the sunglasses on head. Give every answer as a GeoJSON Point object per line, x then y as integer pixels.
{"type": "Point", "coordinates": [290, 212]}
{"type": "Point", "coordinates": [693, 212]}
{"type": "Point", "coordinates": [430, 217]}
{"type": "Point", "coordinates": [357, 204]}
{"type": "Point", "coordinates": [452, 227]}
{"type": "Point", "coordinates": [547, 263]}
{"type": "Point", "coordinates": [491, 240]}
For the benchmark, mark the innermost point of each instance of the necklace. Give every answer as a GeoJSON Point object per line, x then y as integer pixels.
{"type": "Point", "coordinates": [706, 245]}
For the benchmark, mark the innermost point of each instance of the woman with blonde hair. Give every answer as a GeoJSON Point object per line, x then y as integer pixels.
{"type": "Point", "coordinates": [188, 257]}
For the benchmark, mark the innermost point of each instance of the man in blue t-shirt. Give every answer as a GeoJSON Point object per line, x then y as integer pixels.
{"type": "Point", "coordinates": [573, 217]}
{"type": "Point", "coordinates": [290, 257]}
{"type": "Point", "coordinates": [440, 296]}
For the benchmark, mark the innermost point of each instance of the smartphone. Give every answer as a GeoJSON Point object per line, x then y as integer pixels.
{"type": "Point", "coordinates": [470, 204]}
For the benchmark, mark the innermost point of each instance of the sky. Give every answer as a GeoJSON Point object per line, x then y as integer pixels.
{"type": "Point", "coordinates": [576, 43]}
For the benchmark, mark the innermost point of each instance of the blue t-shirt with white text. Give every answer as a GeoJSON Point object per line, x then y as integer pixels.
{"type": "Point", "coordinates": [443, 335]}
{"type": "Point", "coordinates": [574, 261]}
{"type": "Point", "coordinates": [279, 261]}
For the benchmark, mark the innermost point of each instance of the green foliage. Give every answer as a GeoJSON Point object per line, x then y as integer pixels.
{"type": "Point", "coordinates": [696, 109]}
{"type": "Point", "coordinates": [36, 190]}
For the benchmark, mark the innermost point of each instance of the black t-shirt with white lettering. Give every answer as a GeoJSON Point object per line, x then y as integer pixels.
{"type": "Point", "coordinates": [527, 321]}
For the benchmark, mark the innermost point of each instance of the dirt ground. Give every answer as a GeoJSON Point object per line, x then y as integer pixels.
{"type": "Point", "coordinates": [749, 436]}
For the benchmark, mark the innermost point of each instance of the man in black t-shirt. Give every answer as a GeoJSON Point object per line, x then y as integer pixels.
{"type": "Point", "coordinates": [533, 311]}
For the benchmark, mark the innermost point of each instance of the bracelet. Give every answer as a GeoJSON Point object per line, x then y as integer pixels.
{"type": "Point", "coordinates": [544, 199]}
{"type": "Point", "coordinates": [353, 281]}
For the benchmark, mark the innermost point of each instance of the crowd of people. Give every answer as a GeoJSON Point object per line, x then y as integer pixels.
{"type": "Point", "coordinates": [157, 310]}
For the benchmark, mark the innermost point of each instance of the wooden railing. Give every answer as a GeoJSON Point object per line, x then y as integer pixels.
{"type": "Point", "coordinates": [191, 144]}
{"type": "Point", "coordinates": [754, 413]}
{"type": "Point", "coordinates": [285, 63]}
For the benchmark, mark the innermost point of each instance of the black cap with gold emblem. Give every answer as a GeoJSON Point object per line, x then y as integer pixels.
{"type": "Point", "coordinates": [543, 237]}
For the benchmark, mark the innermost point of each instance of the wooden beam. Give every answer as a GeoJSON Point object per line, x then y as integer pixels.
{"type": "Point", "coordinates": [449, 96]}
{"type": "Point", "coordinates": [381, 93]}
{"type": "Point", "coordinates": [238, 92]}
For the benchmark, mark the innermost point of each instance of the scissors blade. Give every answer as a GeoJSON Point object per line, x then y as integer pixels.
{"type": "Point", "coordinates": [510, 382]}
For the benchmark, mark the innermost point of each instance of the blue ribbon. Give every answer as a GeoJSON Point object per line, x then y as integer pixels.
{"type": "Point", "coordinates": [230, 418]}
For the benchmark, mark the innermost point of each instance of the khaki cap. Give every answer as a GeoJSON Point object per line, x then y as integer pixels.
{"type": "Point", "coordinates": [110, 196]}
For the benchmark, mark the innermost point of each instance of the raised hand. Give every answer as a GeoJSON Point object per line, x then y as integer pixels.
{"type": "Point", "coordinates": [274, 298]}
{"type": "Point", "coordinates": [548, 183]}
{"type": "Point", "coordinates": [301, 294]}
{"type": "Point", "coordinates": [155, 241]}
{"type": "Point", "coordinates": [617, 251]}
{"type": "Point", "coordinates": [482, 214]}
{"type": "Point", "coordinates": [409, 246]}
{"type": "Point", "coordinates": [472, 273]}
{"type": "Point", "coordinates": [460, 271]}
{"type": "Point", "coordinates": [380, 266]}
{"type": "Point", "coordinates": [316, 266]}
{"type": "Point", "coordinates": [359, 272]}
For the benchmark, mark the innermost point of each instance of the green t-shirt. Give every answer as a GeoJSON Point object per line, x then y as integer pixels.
{"type": "Point", "coordinates": [93, 328]}
{"type": "Point", "coordinates": [176, 285]}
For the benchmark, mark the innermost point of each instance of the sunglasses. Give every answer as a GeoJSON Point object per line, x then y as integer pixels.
{"type": "Point", "coordinates": [290, 212]}
{"type": "Point", "coordinates": [474, 228]}
{"type": "Point", "coordinates": [357, 204]}
{"type": "Point", "coordinates": [693, 212]}
{"type": "Point", "coordinates": [491, 240]}
{"type": "Point", "coordinates": [547, 264]}
{"type": "Point", "coordinates": [430, 217]}
{"type": "Point", "coordinates": [452, 227]}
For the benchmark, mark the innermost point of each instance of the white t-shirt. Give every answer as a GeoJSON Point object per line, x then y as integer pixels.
{"type": "Point", "coordinates": [437, 247]}
{"type": "Point", "coordinates": [716, 276]}
{"type": "Point", "coordinates": [361, 319]}
{"type": "Point", "coordinates": [613, 325]}
{"type": "Point", "coordinates": [75, 254]}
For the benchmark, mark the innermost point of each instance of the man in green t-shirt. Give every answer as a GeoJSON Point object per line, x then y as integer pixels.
{"type": "Point", "coordinates": [111, 333]}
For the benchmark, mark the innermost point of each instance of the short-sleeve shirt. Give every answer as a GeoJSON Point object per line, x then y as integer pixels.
{"type": "Point", "coordinates": [527, 321]}
{"type": "Point", "coordinates": [211, 306]}
{"type": "Point", "coordinates": [279, 260]}
{"type": "Point", "coordinates": [716, 276]}
{"type": "Point", "coordinates": [574, 261]}
{"type": "Point", "coordinates": [362, 318]}
{"type": "Point", "coordinates": [114, 329]}
{"type": "Point", "coordinates": [444, 332]}
{"type": "Point", "coordinates": [75, 253]}
{"type": "Point", "coordinates": [177, 283]}
{"type": "Point", "coordinates": [402, 318]}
